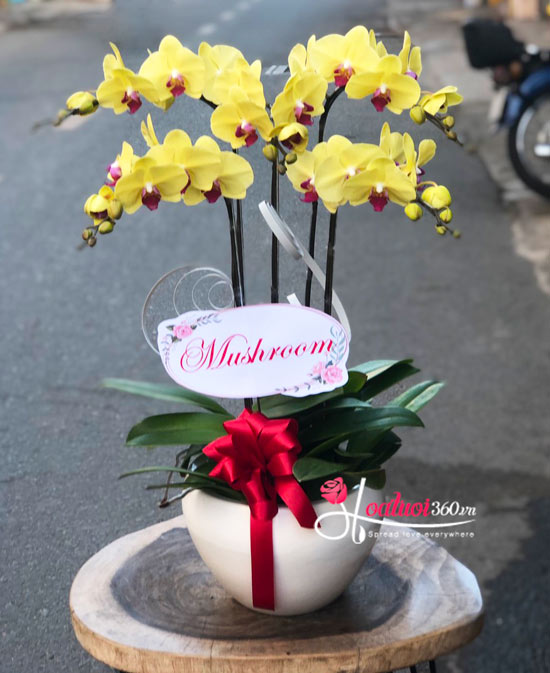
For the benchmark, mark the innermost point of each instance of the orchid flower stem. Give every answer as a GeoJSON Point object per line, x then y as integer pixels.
{"type": "Point", "coordinates": [436, 121]}
{"type": "Point", "coordinates": [235, 276]}
{"type": "Point", "coordinates": [240, 245]}
{"type": "Point", "coordinates": [208, 102]}
{"type": "Point", "coordinates": [274, 241]}
{"type": "Point", "coordinates": [311, 250]}
{"type": "Point", "coordinates": [330, 262]}
{"type": "Point", "coordinates": [329, 100]}
{"type": "Point", "coordinates": [435, 213]}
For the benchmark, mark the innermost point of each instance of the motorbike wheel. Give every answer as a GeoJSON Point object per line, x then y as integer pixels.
{"type": "Point", "coordinates": [529, 145]}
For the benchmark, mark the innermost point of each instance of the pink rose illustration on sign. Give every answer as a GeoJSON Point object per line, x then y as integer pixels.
{"type": "Point", "coordinates": [182, 330]}
{"type": "Point", "coordinates": [332, 374]}
{"type": "Point", "coordinates": [334, 490]}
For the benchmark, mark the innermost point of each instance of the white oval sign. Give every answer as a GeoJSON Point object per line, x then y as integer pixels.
{"type": "Point", "coordinates": [254, 351]}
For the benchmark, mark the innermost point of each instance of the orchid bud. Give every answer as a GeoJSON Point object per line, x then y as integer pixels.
{"type": "Point", "coordinates": [114, 209]}
{"type": "Point", "coordinates": [82, 102]}
{"type": "Point", "coordinates": [281, 168]}
{"type": "Point", "coordinates": [428, 194]}
{"type": "Point", "coordinates": [441, 230]}
{"type": "Point", "coordinates": [106, 227]}
{"type": "Point", "coordinates": [86, 234]}
{"type": "Point", "coordinates": [270, 152]}
{"type": "Point", "coordinates": [413, 211]}
{"type": "Point", "coordinates": [418, 115]}
{"type": "Point", "coordinates": [451, 135]}
{"type": "Point", "coordinates": [91, 241]}
{"type": "Point", "coordinates": [456, 233]}
{"type": "Point", "coordinates": [446, 215]}
{"type": "Point", "coordinates": [291, 158]}
{"type": "Point", "coordinates": [449, 121]}
{"type": "Point", "coordinates": [438, 197]}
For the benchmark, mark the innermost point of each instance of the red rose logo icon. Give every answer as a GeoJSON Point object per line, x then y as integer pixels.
{"type": "Point", "coordinates": [334, 490]}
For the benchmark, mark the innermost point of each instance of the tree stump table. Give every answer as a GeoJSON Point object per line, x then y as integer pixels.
{"type": "Point", "coordinates": [147, 604]}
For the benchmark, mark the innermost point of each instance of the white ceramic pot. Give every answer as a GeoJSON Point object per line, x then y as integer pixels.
{"type": "Point", "coordinates": [310, 571]}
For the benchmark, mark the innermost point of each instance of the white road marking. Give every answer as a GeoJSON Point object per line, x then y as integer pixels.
{"type": "Point", "coordinates": [206, 29]}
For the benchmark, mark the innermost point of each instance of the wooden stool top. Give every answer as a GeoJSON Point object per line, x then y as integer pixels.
{"type": "Point", "coordinates": [147, 604]}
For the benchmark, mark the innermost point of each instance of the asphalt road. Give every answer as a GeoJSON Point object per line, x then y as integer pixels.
{"type": "Point", "coordinates": [470, 313]}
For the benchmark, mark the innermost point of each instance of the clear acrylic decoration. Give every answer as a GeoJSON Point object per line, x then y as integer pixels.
{"type": "Point", "coordinates": [186, 288]}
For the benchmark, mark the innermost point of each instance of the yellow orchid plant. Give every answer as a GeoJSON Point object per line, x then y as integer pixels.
{"type": "Point", "coordinates": [328, 172]}
{"type": "Point", "coordinates": [333, 172]}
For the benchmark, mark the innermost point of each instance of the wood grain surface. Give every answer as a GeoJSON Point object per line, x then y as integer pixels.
{"type": "Point", "coordinates": [147, 604]}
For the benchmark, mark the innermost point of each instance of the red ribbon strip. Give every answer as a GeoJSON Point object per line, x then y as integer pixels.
{"type": "Point", "coordinates": [256, 457]}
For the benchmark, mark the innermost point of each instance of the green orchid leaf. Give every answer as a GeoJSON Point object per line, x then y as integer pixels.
{"type": "Point", "coordinates": [376, 367]}
{"type": "Point", "coordinates": [193, 480]}
{"type": "Point", "coordinates": [346, 403]}
{"type": "Point", "coordinates": [387, 378]}
{"type": "Point", "coordinates": [326, 446]}
{"type": "Point", "coordinates": [356, 381]}
{"type": "Point", "coordinates": [307, 468]}
{"type": "Point", "coordinates": [289, 406]}
{"type": "Point", "coordinates": [165, 392]}
{"type": "Point", "coordinates": [364, 444]}
{"type": "Point", "coordinates": [156, 468]}
{"type": "Point", "coordinates": [418, 396]}
{"type": "Point", "coordinates": [322, 427]}
{"type": "Point", "coordinates": [278, 406]}
{"type": "Point", "coordinates": [177, 429]}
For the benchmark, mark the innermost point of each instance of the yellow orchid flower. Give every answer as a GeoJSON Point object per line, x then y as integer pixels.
{"type": "Point", "coordinates": [148, 132]}
{"type": "Point", "coordinates": [343, 161]}
{"type": "Point", "coordinates": [293, 136]}
{"type": "Point", "coordinates": [390, 88]}
{"type": "Point", "coordinates": [174, 70]}
{"type": "Point", "coordinates": [432, 103]}
{"type": "Point", "coordinates": [233, 178]}
{"type": "Point", "coordinates": [201, 165]}
{"type": "Point", "coordinates": [401, 150]}
{"type": "Point", "coordinates": [378, 47]}
{"type": "Point", "coordinates": [391, 143]}
{"type": "Point", "coordinates": [426, 152]}
{"type": "Point", "coordinates": [122, 165]}
{"type": "Point", "coordinates": [149, 183]}
{"type": "Point", "coordinates": [382, 181]}
{"type": "Point", "coordinates": [411, 60]}
{"type": "Point", "coordinates": [303, 174]}
{"type": "Point", "coordinates": [239, 121]}
{"type": "Point", "coordinates": [242, 79]}
{"type": "Point", "coordinates": [338, 57]}
{"type": "Point", "coordinates": [121, 89]}
{"type": "Point", "coordinates": [301, 99]}
{"type": "Point", "coordinates": [299, 60]}
{"type": "Point", "coordinates": [227, 68]}
{"type": "Point", "coordinates": [103, 205]}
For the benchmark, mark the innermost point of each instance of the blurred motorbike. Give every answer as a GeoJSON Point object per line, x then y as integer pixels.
{"type": "Point", "coordinates": [521, 73]}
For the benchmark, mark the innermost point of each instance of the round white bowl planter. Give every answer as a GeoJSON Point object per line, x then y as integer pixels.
{"type": "Point", "coordinates": [310, 571]}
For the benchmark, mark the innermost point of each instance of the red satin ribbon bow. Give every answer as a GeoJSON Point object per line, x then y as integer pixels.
{"type": "Point", "coordinates": [256, 457]}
